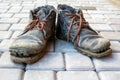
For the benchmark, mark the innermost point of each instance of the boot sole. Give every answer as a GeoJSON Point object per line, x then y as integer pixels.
{"type": "Point", "coordinates": [28, 60]}
{"type": "Point", "coordinates": [97, 55]}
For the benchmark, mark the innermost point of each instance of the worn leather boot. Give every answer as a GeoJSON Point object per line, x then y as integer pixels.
{"type": "Point", "coordinates": [27, 47]}
{"type": "Point", "coordinates": [72, 26]}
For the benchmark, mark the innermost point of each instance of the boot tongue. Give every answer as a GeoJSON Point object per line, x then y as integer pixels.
{"type": "Point", "coordinates": [42, 13]}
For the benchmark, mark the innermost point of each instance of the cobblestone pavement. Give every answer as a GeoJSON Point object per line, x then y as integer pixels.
{"type": "Point", "coordinates": [62, 62]}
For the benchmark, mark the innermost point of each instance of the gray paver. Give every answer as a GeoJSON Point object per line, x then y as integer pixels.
{"type": "Point", "coordinates": [18, 3]}
{"type": "Point", "coordinates": [112, 16]}
{"type": "Point", "coordinates": [49, 62]}
{"type": "Point", "coordinates": [64, 46]}
{"type": "Point", "coordinates": [11, 74]}
{"type": "Point", "coordinates": [27, 4]}
{"type": "Point", "coordinates": [115, 27]}
{"type": "Point", "coordinates": [5, 34]}
{"type": "Point", "coordinates": [101, 27]}
{"type": "Point", "coordinates": [96, 21]}
{"type": "Point", "coordinates": [15, 34]}
{"type": "Point", "coordinates": [114, 21]}
{"type": "Point", "coordinates": [39, 75]}
{"type": "Point", "coordinates": [9, 20]}
{"type": "Point", "coordinates": [25, 11]}
{"type": "Point", "coordinates": [5, 15]}
{"type": "Point", "coordinates": [5, 44]}
{"type": "Point", "coordinates": [100, 12]}
{"type": "Point", "coordinates": [109, 63]}
{"type": "Point", "coordinates": [3, 10]}
{"type": "Point", "coordinates": [21, 15]}
{"type": "Point", "coordinates": [24, 20]}
{"type": "Point", "coordinates": [111, 35]}
{"type": "Point", "coordinates": [115, 45]}
{"type": "Point", "coordinates": [4, 4]}
{"type": "Point", "coordinates": [15, 9]}
{"type": "Point", "coordinates": [4, 27]}
{"type": "Point", "coordinates": [74, 61]}
{"type": "Point", "coordinates": [6, 62]}
{"type": "Point", "coordinates": [109, 75]}
{"type": "Point", "coordinates": [17, 27]}
{"type": "Point", "coordinates": [77, 75]}
{"type": "Point", "coordinates": [97, 16]}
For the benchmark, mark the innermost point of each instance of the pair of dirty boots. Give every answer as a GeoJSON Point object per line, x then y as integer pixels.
{"type": "Point", "coordinates": [71, 26]}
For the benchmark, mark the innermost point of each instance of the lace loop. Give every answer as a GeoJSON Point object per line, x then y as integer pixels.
{"type": "Point", "coordinates": [36, 24]}
{"type": "Point", "coordinates": [80, 24]}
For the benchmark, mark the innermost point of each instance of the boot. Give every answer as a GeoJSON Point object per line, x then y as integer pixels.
{"type": "Point", "coordinates": [27, 47]}
{"type": "Point", "coordinates": [72, 26]}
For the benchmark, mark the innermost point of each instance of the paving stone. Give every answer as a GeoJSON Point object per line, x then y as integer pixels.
{"type": "Point", "coordinates": [3, 10]}
{"type": "Point", "coordinates": [48, 62]}
{"type": "Point", "coordinates": [24, 20]}
{"type": "Point", "coordinates": [6, 62]}
{"type": "Point", "coordinates": [25, 11]}
{"type": "Point", "coordinates": [9, 20]}
{"type": "Point", "coordinates": [21, 15]}
{"type": "Point", "coordinates": [105, 12]}
{"type": "Point", "coordinates": [5, 44]}
{"type": "Point", "coordinates": [38, 4]}
{"type": "Point", "coordinates": [28, 1]}
{"type": "Point", "coordinates": [110, 63]}
{"type": "Point", "coordinates": [4, 27]}
{"type": "Point", "coordinates": [109, 75]}
{"type": "Point", "coordinates": [15, 34]}
{"type": "Point", "coordinates": [64, 46]}
{"type": "Point", "coordinates": [96, 21]}
{"type": "Point", "coordinates": [28, 7]}
{"type": "Point", "coordinates": [39, 75]}
{"type": "Point", "coordinates": [15, 9]}
{"type": "Point", "coordinates": [4, 4]}
{"type": "Point", "coordinates": [4, 7]}
{"type": "Point", "coordinates": [53, 4]}
{"type": "Point", "coordinates": [101, 16]}
{"type": "Point", "coordinates": [74, 61]}
{"type": "Point", "coordinates": [84, 7]}
{"type": "Point", "coordinates": [114, 21]}
{"type": "Point", "coordinates": [112, 16]}
{"type": "Point", "coordinates": [115, 45]}
{"type": "Point", "coordinates": [77, 75]}
{"type": "Point", "coordinates": [28, 4]}
{"type": "Point", "coordinates": [100, 8]}
{"type": "Point", "coordinates": [5, 15]}
{"type": "Point", "coordinates": [18, 3]}
{"type": "Point", "coordinates": [111, 35]}
{"type": "Point", "coordinates": [115, 27]}
{"type": "Point", "coordinates": [101, 27]}
{"type": "Point", "coordinates": [11, 74]}
{"type": "Point", "coordinates": [5, 34]}
{"type": "Point", "coordinates": [86, 15]}
{"type": "Point", "coordinates": [18, 27]}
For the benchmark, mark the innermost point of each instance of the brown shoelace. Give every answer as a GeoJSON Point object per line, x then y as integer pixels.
{"type": "Point", "coordinates": [80, 24]}
{"type": "Point", "coordinates": [36, 24]}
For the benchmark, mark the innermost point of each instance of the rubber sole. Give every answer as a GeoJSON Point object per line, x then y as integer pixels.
{"type": "Point", "coordinates": [97, 55]}
{"type": "Point", "coordinates": [28, 60]}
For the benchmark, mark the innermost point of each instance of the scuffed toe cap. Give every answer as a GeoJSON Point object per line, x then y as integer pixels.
{"type": "Point", "coordinates": [96, 45]}
{"type": "Point", "coordinates": [22, 48]}
{"type": "Point", "coordinates": [100, 45]}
